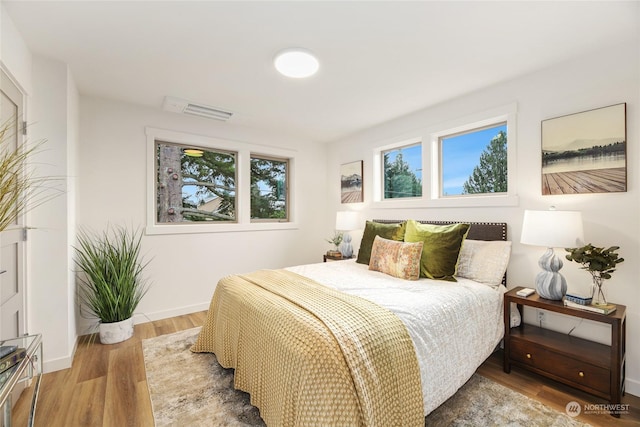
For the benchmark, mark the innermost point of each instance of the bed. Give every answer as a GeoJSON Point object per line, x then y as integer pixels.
{"type": "Point", "coordinates": [340, 343]}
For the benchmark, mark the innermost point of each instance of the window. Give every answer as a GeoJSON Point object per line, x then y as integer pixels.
{"type": "Point", "coordinates": [200, 184]}
{"type": "Point", "coordinates": [467, 161]}
{"type": "Point", "coordinates": [402, 172]}
{"type": "Point", "coordinates": [269, 189]}
{"type": "Point", "coordinates": [195, 184]}
{"type": "Point", "coordinates": [474, 161]}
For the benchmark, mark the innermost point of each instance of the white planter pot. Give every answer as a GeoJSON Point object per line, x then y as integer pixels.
{"type": "Point", "coordinates": [111, 333]}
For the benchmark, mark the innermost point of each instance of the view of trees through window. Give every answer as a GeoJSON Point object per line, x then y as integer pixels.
{"type": "Point", "coordinates": [269, 193]}
{"type": "Point", "coordinates": [402, 172]}
{"type": "Point", "coordinates": [197, 184]}
{"type": "Point", "coordinates": [474, 162]}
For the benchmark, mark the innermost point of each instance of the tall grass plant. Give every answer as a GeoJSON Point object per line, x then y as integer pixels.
{"type": "Point", "coordinates": [111, 282]}
{"type": "Point", "coordinates": [21, 189]}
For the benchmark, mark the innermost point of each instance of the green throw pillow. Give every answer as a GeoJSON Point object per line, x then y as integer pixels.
{"type": "Point", "coordinates": [441, 248]}
{"type": "Point", "coordinates": [373, 229]}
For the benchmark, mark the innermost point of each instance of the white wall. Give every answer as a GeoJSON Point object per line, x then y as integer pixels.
{"type": "Point", "coordinates": [73, 129]}
{"type": "Point", "coordinates": [52, 286]}
{"type": "Point", "coordinates": [597, 80]}
{"type": "Point", "coordinates": [15, 56]}
{"type": "Point", "coordinates": [184, 268]}
{"type": "Point", "coordinates": [52, 114]}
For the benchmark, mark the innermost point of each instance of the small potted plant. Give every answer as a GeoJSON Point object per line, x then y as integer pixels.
{"type": "Point", "coordinates": [335, 240]}
{"type": "Point", "coordinates": [110, 283]}
{"type": "Point", "coordinates": [599, 262]}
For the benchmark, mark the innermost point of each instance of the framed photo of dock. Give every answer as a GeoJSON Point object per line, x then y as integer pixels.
{"type": "Point", "coordinates": [351, 182]}
{"type": "Point", "coordinates": [585, 152]}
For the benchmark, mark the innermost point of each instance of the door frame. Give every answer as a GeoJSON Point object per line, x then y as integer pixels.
{"type": "Point", "coordinates": [17, 233]}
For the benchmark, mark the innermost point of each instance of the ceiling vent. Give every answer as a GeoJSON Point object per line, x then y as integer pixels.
{"type": "Point", "coordinates": [177, 105]}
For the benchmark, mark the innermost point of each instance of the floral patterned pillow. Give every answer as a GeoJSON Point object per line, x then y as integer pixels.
{"type": "Point", "coordinates": [397, 259]}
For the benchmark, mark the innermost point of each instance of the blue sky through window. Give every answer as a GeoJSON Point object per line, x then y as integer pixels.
{"type": "Point", "coordinates": [460, 154]}
{"type": "Point", "coordinates": [411, 155]}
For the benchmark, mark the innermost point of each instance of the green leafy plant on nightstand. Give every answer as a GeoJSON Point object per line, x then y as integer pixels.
{"type": "Point", "coordinates": [599, 262]}
{"type": "Point", "coordinates": [336, 239]}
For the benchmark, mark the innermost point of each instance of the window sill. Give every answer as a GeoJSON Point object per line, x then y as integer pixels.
{"type": "Point", "coordinates": [159, 229]}
{"type": "Point", "coordinates": [450, 202]}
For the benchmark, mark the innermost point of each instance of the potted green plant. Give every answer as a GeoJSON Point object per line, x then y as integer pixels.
{"type": "Point", "coordinates": [110, 283]}
{"type": "Point", "coordinates": [335, 240]}
{"type": "Point", "coordinates": [599, 262]}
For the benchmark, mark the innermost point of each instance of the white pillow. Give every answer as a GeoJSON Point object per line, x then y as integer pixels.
{"type": "Point", "coordinates": [484, 261]}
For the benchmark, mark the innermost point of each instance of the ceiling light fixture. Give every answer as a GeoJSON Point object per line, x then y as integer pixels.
{"type": "Point", "coordinates": [193, 152]}
{"type": "Point", "coordinates": [296, 63]}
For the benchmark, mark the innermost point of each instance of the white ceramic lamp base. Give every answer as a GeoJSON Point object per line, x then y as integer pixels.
{"type": "Point", "coordinates": [346, 249]}
{"type": "Point", "coordinates": [549, 283]}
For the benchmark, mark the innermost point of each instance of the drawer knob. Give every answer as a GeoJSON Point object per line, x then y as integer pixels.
{"type": "Point", "coordinates": [528, 355]}
{"type": "Point", "coordinates": [581, 374]}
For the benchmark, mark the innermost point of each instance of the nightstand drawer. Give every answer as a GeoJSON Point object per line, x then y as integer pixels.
{"type": "Point", "coordinates": [567, 368]}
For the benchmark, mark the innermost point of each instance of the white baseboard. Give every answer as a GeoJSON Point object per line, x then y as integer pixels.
{"type": "Point", "coordinates": [165, 314]}
{"type": "Point", "coordinates": [57, 364]}
{"type": "Point", "coordinates": [632, 387]}
{"type": "Point", "coordinates": [60, 363]}
{"type": "Point", "coordinates": [87, 327]}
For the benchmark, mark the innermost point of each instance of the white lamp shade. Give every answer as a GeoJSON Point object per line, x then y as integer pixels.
{"type": "Point", "coordinates": [552, 229]}
{"type": "Point", "coordinates": [347, 220]}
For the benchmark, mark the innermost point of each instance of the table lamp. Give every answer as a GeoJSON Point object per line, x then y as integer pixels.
{"type": "Point", "coordinates": [346, 221]}
{"type": "Point", "coordinates": [551, 229]}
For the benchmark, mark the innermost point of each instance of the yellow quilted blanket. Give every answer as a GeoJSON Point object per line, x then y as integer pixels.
{"type": "Point", "coordinates": [312, 356]}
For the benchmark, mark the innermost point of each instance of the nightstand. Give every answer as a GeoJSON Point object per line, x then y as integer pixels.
{"type": "Point", "coordinates": [326, 258]}
{"type": "Point", "coordinates": [592, 367]}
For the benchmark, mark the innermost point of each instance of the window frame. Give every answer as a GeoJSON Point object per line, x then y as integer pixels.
{"type": "Point", "coordinates": [287, 161]}
{"type": "Point", "coordinates": [158, 142]}
{"type": "Point", "coordinates": [431, 163]}
{"type": "Point", "coordinates": [378, 172]}
{"type": "Point", "coordinates": [400, 146]}
{"type": "Point", "coordinates": [244, 151]}
{"type": "Point", "coordinates": [440, 178]}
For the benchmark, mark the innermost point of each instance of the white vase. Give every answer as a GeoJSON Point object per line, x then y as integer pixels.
{"type": "Point", "coordinates": [111, 333]}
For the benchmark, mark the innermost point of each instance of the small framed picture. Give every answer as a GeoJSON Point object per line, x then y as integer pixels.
{"type": "Point", "coordinates": [351, 182]}
{"type": "Point", "coordinates": [585, 152]}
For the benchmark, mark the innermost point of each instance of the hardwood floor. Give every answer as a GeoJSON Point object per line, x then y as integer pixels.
{"type": "Point", "coordinates": [106, 385]}
{"type": "Point", "coordinates": [556, 395]}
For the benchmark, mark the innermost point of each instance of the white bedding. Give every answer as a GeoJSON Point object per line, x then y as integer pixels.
{"type": "Point", "coordinates": [454, 326]}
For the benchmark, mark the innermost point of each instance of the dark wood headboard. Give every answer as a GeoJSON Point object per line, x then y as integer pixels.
{"type": "Point", "coordinates": [477, 231]}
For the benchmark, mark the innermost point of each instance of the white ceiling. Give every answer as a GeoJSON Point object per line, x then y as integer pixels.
{"type": "Point", "coordinates": [379, 60]}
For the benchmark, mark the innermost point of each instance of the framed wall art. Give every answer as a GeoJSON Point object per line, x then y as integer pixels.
{"type": "Point", "coordinates": [585, 152]}
{"type": "Point", "coordinates": [351, 182]}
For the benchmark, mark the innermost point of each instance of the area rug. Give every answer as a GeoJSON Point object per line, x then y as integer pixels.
{"type": "Point", "coordinates": [193, 389]}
